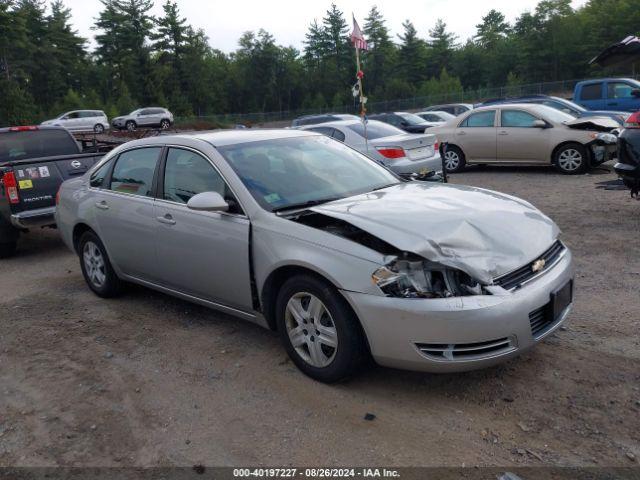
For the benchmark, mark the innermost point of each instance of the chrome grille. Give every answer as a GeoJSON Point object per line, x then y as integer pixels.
{"type": "Point", "coordinates": [523, 274]}
{"type": "Point", "coordinates": [464, 351]}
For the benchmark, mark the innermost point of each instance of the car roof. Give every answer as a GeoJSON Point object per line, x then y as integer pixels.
{"type": "Point", "coordinates": [519, 106]}
{"type": "Point", "coordinates": [223, 138]}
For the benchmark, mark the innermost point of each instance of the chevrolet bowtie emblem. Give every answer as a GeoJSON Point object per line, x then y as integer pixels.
{"type": "Point", "coordinates": [538, 265]}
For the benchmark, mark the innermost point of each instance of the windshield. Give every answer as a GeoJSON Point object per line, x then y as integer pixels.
{"type": "Point", "coordinates": [376, 129]}
{"type": "Point", "coordinates": [557, 115]}
{"type": "Point", "coordinates": [289, 172]}
{"type": "Point", "coordinates": [561, 103]}
{"type": "Point", "coordinates": [411, 118]}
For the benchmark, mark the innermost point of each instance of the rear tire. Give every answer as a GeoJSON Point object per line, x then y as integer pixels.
{"type": "Point", "coordinates": [98, 128]}
{"type": "Point", "coordinates": [571, 159]}
{"type": "Point", "coordinates": [319, 330]}
{"type": "Point", "coordinates": [96, 267]}
{"type": "Point", "coordinates": [8, 249]}
{"type": "Point", "coordinates": [131, 126]}
{"type": "Point", "coordinates": [454, 159]}
{"type": "Point", "coordinates": [165, 124]}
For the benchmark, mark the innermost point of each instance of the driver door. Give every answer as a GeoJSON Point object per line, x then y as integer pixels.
{"type": "Point", "coordinates": [204, 254]}
{"type": "Point", "coordinates": [519, 140]}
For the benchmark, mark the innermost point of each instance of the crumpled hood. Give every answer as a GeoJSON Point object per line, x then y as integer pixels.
{"type": "Point", "coordinates": [604, 124]}
{"type": "Point", "coordinates": [483, 233]}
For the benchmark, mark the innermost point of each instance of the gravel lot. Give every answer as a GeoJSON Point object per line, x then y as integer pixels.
{"type": "Point", "coordinates": [148, 380]}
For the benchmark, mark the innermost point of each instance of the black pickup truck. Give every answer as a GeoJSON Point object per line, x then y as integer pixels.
{"type": "Point", "coordinates": [34, 161]}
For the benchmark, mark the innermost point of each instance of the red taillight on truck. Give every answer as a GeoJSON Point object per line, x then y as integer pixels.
{"type": "Point", "coordinates": [388, 152]}
{"type": "Point", "coordinates": [25, 128]}
{"type": "Point", "coordinates": [633, 121]}
{"type": "Point", "coordinates": [11, 187]}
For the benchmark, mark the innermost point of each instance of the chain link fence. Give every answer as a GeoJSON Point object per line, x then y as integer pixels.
{"type": "Point", "coordinates": [561, 88]}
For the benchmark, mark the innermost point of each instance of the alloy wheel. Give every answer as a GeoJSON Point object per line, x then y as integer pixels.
{"type": "Point", "coordinates": [311, 329]}
{"type": "Point", "coordinates": [451, 160]}
{"type": "Point", "coordinates": [94, 264]}
{"type": "Point", "coordinates": [570, 160]}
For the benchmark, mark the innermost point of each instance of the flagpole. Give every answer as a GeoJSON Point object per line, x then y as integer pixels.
{"type": "Point", "coordinates": [363, 110]}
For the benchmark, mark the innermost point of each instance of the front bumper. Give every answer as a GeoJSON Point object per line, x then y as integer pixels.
{"type": "Point", "coordinates": [41, 217]}
{"type": "Point", "coordinates": [490, 328]}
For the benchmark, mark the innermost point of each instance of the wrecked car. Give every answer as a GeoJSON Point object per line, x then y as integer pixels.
{"type": "Point", "coordinates": [526, 134]}
{"type": "Point", "coordinates": [628, 166]}
{"type": "Point", "coordinates": [301, 234]}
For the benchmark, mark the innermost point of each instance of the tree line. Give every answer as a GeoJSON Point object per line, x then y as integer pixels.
{"type": "Point", "coordinates": [46, 67]}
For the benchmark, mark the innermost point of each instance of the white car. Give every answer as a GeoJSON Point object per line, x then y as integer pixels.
{"type": "Point", "coordinates": [402, 152]}
{"type": "Point", "coordinates": [81, 121]}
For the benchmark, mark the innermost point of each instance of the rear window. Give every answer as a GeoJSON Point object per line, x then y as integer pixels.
{"type": "Point", "coordinates": [376, 130]}
{"type": "Point", "coordinates": [592, 91]}
{"type": "Point", "coordinates": [36, 144]}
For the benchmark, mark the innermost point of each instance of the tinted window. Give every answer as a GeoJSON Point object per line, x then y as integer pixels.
{"type": "Point", "coordinates": [323, 130]}
{"type": "Point", "coordinates": [592, 91]}
{"type": "Point", "coordinates": [292, 171]}
{"type": "Point", "coordinates": [312, 120]}
{"type": "Point", "coordinates": [187, 174]}
{"type": "Point", "coordinates": [430, 118]}
{"type": "Point", "coordinates": [37, 143]}
{"type": "Point", "coordinates": [517, 118]}
{"type": "Point", "coordinates": [88, 114]}
{"type": "Point", "coordinates": [411, 118]}
{"type": "Point", "coordinates": [72, 115]}
{"type": "Point", "coordinates": [561, 106]}
{"type": "Point", "coordinates": [480, 119]}
{"type": "Point", "coordinates": [451, 110]}
{"type": "Point", "coordinates": [134, 171]}
{"type": "Point", "coordinates": [619, 90]}
{"type": "Point", "coordinates": [376, 130]}
{"type": "Point", "coordinates": [156, 111]}
{"type": "Point", "coordinates": [338, 135]}
{"type": "Point", "coordinates": [146, 111]}
{"type": "Point", "coordinates": [98, 178]}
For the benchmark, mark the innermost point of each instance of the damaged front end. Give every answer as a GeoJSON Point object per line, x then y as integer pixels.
{"type": "Point", "coordinates": [413, 277]}
{"type": "Point", "coordinates": [605, 130]}
{"type": "Point", "coordinates": [628, 166]}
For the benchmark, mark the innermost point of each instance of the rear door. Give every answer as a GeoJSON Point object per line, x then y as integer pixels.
{"type": "Point", "coordinates": [204, 254]}
{"type": "Point", "coordinates": [591, 96]}
{"type": "Point", "coordinates": [476, 135]}
{"type": "Point", "coordinates": [124, 212]}
{"type": "Point", "coordinates": [145, 117]}
{"type": "Point", "coordinates": [519, 141]}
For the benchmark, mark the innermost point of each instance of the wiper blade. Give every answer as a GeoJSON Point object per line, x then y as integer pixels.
{"type": "Point", "coordinates": [301, 205]}
{"type": "Point", "coordinates": [384, 186]}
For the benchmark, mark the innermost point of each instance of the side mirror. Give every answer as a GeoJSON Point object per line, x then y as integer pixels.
{"type": "Point", "coordinates": [635, 92]}
{"type": "Point", "coordinates": [208, 202]}
{"type": "Point", "coordinates": [539, 124]}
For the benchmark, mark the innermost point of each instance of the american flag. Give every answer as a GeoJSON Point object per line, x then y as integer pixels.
{"type": "Point", "coordinates": [357, 37]}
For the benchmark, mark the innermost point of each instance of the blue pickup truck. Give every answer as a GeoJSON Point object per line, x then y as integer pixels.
{"type": "Point", "coordinates": [608, 94]}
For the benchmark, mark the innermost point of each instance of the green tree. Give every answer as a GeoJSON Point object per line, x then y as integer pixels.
{"type": "Point", "coordinates": [379, 60]}
{"type": "Point", "coordinates": [492, 30]}
{"type": "Point", "coordinates": [441, 47]}
{"type": "Point", "coordinates": [412, 55]}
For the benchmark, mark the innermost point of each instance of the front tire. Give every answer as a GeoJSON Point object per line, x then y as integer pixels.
{"type": "Point", "coordinates": [571, 159]}
{"type": "Point", "coordinates": [96, 267]}
{"type": "Point", "coordinates": [131, 126]}
{"type": "Point", "coordinates": [98, 128]}
{"type": "Point", "coordinates": [454, 159]}
{"type": "Point", "coordinates": [319, 330]}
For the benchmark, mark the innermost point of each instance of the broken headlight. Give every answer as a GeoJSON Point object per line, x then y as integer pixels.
{"type": "Point", "coordinates": [423, 279]}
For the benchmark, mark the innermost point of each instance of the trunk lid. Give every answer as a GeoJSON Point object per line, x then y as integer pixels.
{"type": "Point", "coordinates": [416, 146]}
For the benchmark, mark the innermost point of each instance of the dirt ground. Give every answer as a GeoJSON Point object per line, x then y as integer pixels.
{"type": "Point", "coordinates": [148, 380]}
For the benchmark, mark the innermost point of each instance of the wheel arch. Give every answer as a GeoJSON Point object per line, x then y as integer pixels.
{"type": "Point", "coordinates": [557, 148]}
{"type": "Point", "coordinates": [79, 230]}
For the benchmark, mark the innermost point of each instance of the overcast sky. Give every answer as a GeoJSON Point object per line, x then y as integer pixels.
{"type": "Point", "coordinates": [225, 20]}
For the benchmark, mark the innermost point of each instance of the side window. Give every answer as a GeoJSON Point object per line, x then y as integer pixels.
{"type": "Point", "coordinates": [187, 174]}
{"type": "Point", "coordinates": [134, 170]}
{"type": "Point", "coordinates": [72, 115]}
{"type": "Point", "coordinates": [619, 90]}
{"type": "Point", "coordinates": [145, 112]}
{"type": "Point", "coordinates": [480, 119]}
{"type": "Point", "coordinates": [338, 135]}
{"type": "Point", "coordinates": [323, 130]}
{"type": "Point", "coordinates": [98, 178]}
{"type": "Point", "coordinates": [516, 118]}
{"type": "Point", "coordinates": [592, 91]}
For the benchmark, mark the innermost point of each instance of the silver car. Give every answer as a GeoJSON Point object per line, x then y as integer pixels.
{"type": "Point", "coordinates": [404, 153]}
{"type": "Point", "coordinates": [144, 117]}
{"type": "Point", "coordinates": [304, 235]}
{"type": "Point", "coordinates": [81, 121]}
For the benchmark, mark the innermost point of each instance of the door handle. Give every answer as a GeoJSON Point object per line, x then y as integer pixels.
{"type": "Point", "coordinates": [461, 133]}
{"type": "Point", "coordinates": [503, 132]}
{"type": "Point", "coordinates": [166, 219]}
{"type": "Point", "coordinates": [612, 103]}
{"type": "Point", "coordinates": [102, 205]}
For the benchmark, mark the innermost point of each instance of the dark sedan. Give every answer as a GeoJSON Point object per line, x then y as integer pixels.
{"type": "Point", "coordinates": [406, 121]}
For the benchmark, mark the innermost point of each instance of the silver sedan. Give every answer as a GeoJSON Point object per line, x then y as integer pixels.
{"type": "Point", "coordinates": [404, 153]}
{"type": "Point", "coordinates": [304, 235]}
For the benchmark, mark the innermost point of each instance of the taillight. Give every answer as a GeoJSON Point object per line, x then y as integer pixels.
{"type": "Point", "coordinates": [436, 147]}
{"type": "Point", "coordinates": [633, 121]}
{"type": "Point", "coordinates": [11, 187]}
{"type": "Point", "coordinates": [29, 128]}
{"type": "Point", "coordinates": [387, 152]}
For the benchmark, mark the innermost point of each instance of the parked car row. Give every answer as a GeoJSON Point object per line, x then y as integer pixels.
{"type": "Point", "coordinates": [96, 120]}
